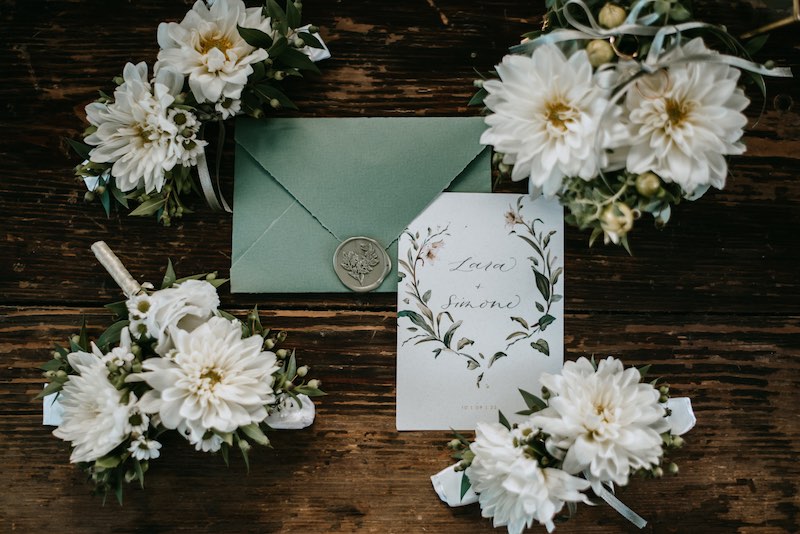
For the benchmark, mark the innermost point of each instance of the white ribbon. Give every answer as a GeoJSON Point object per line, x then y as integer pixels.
{"type": "Point", "coordinates": [208, 187]}
{"type": "Point", "coordinates": [116, 269]}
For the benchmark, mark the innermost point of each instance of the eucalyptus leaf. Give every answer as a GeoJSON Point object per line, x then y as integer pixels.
{"type": "Point", "coordinates": [149, 207]}
{"type": "Point", "coordinates": [478, 97]}
{"type": "Point", "coordinates": [254, 432]}
{"type": "Point", "coordinates": [532, 401]}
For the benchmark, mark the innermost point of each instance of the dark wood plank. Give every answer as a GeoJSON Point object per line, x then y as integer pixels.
{"type": "Point", "coordinates": [352, 471]}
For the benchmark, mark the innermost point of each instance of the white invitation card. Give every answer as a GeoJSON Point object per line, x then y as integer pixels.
{"type": "Point", "coordinates": [480, 308]}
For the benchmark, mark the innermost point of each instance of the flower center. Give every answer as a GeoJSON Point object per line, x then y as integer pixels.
{"type": "Point", "coordinates": [220, 42]}
{"type": "Point", "coordinates": [559, 114]}
{"type": "Point", "coordinates": [209, 378]}
{"type": "Point", "coordinates": [676, 111]}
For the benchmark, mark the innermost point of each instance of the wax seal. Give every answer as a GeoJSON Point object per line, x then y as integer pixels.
{"type": "Point", "coordinates": [361, 263]}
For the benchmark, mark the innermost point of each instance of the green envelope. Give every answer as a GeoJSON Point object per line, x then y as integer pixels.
{"type": "Point", "coordinates": [302, 186]}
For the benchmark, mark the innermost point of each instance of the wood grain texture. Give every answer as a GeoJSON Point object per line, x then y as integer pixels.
{"type": "Point", "coordinates": [712, 301]}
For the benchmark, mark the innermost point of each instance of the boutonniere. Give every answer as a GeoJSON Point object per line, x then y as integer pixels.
{"type": "Point", "coordinates": [595, 426]}
{"type": "Point", "coordinates": [145, 147]}
{"type": "Point", "coordinates": [172, 362]}
{"type": "Point", "coordinates": [620, 109]}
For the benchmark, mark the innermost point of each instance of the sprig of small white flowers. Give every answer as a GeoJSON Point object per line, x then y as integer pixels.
{"type": "Point", "coordinates": [596, 118]}
{"type": "Point", "coordinates": [598, 425]}
{"type": "Point", "coordinates": [174, 361]}
{"type": "Point", "coordinates": [221, 60]}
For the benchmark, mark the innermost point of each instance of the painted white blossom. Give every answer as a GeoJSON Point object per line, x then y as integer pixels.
{"type": "Point", "coordinates": [607, 421]}
{"type": "Point", "coordinates": [94, 417]}
{"type": "Point", "coordinates": [216, 380]}
{"type": "Point", "coordinates": [183, 307]}
{"type": "Point", "coordinates": [684, 120]}
{"type": "Point", "coordinates": [136, 132]}
{"type": "Point", "coordinates": [206, 47]}
{"type": "Point", "coordinates": [512, 488]}
{"type": "Point", "coordinates": [547, 114]}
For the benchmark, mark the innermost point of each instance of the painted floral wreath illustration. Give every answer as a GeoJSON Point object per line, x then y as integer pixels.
{"type": "Point", "coordinates": [440, 329]}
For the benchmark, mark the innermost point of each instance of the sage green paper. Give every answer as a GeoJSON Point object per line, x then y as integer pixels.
{"type": "Point", "coordinates": [304, 185]}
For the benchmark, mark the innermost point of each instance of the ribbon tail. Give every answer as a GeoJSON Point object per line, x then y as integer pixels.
{"type": "Point", "coordinates": [447, 484]}
{"type": "Point", "coordinates": [620, 507]}
{"type": "Point", "coordinates": [208, 186]}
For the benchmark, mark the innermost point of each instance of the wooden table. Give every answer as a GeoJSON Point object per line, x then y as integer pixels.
{"type": "Point", "coordinates": [712, 301]}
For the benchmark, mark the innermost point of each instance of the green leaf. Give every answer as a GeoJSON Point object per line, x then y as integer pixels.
{"type": "Point", "coordinates": [105, 201]}
{"type": "Point", "coordinates": [120, 309]}
{"type": "Point", "coordinates": [416, 319]}
{"type": "Point", "coordinates": [644, 370]}
{"type": "Point", "coordinates": [254, 432]}
{"type": "Point", "coordinates": [503, 420]}
{"type": "Point", "coordinates": [275, 11]}
{"type": "Point", "coordinates": [112, 334]}
{"type": "Point", "coordinates": [298, 60]}
{"type": "Point", "coordinates": [310, 40]}
{"type": "Point", "coordinates": [463, 342]}
{"type": "Point", "coordinates": [169, 275]}
{"type": "Point", "coordinates": [756, 43]}
{"type": "Point", "coordinates": [278, 47]}
{"type": "Point", "coordinates": [255, 37]}
{"type": "Point", "coordinates": [108, 462]}
{"type": "Point", "coordinates": [53, 387]}
{"type": "Point", "coordinates": [465, 485]}
{"type": "Point", "coordinates": [225, 455]}
{"type": "Point", "coordinates": [532, 244]}
{"type": "Point", "coordinates": [545, 321]}
{"type": "Point", "coordinates": [532, 401]}
{"type": "Point", "coordinates": [149, 207]}
{"type": "Point", "coordinates": [448, 336]}
{"type": "Point", "coordinates": [477, 98]}
{"type": "Point", "coordinates": [80, 148]}
{"type": "Point", "coordinates": [139, 472]}
{"type": "Point", "coordinates": [83, 340]}
{"type": "Point", "coordinates": [119, 196]}
{"type": "Point", "coordinates": [305, 390]}
{"type": "Point", "coordinates": [244, 446]}
{"type": "Point", "coordinates": [269, 92]}
{"type": "Point", "coordinates": [542, 284]}
{"type": "Point", "coordinates": [292, 14]}
{"type": "Point", "coordinates": [52, 365]}
{"type": "Point", "coordinates": [521, 321]}
{"type": "Point", "coordinates": [497, 356]}
{"type": "Point", "coordinates": [542, 346]}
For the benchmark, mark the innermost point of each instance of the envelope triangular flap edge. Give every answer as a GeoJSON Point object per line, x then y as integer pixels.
{"type": "Point", "coordinates": [347, 172]}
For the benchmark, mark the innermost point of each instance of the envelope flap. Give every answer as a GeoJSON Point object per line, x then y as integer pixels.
{"type": "Point", "coordinates": [363, 176]}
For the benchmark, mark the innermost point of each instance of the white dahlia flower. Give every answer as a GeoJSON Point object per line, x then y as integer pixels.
{"type": "Point", "coordinates": [607, 421]}
{"type": "Point", "coordinates": [547, 113]}
{"type": "Point", "coordinates": [182, 307]}
{"type": "Point", "coordinates": [135, 131]}
{"type": "Point", "coordinates": [512, 488]}
{"type": "Point", "coordinates": [215, 381]}
{"type": "Point", "coordinates": [207, 47]}
{"type": "Point", "coordinates": [95, 419]}
{"type": "Point", "coordinates": [684, 120]}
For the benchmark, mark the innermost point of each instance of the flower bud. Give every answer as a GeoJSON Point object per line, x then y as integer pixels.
{"type": "Point", "coordinates": [677, 442]}
{"type": "Point", "coordinates": [49, 374]}
{"type": "Point", "coordinates": [616, 220]}
{"type": "Point", "coordinates": [61, 374]}
{"type": "Point", "coordinates": [313, 29]}
{"type": "Point", "coordinates": [478, 83]}
{"type": "Point", "coordinates": [672, 468]}
{"type": "Point", "coordinates": [56, 355]}
{"type": "Point", "coordinates": [658, 472]}
{"type": "Point", "coordinates": [100, 189]}
{"type": "Point", "coordinates": [211, 276]}
{"type": "Point", "coordinates": [274, 103]}
{"type": "Point", "coordinates": [454, 443]}
{"type": "Point", "coordinates": [88, 196]}
{"type": "Point", "coordinates": [257, 113]}
{"type": "Point", "coordinates": [302, 371]}
{"type": "Point", "coordinates": [504, 168]}
{"type": "Point", "coordinates": [314, 383]}
{"type": "Point", "coordinates": [119, 80]}
{"type": "Point", "coordinates": [298, 42]}
{"type": "Point", "coordinates": [600, 52]}
{"type": "Point", "coordinates": [281, 353]}
{"type": "Point", "coordinates": [279, 75]}
{"type": "Point", "coordinates": [269, 343]}
{"type": "Point", "coordinates": [648, 184]}
{"type": "Point", "coordinates": [180, 99]}
{"type": "Point", "coordinates": [76, 338]}
{"type": "Point", "coordinates": [281, 337]}
{"type": "Point", "coordinates": [612, 15]}
{"type": "Point", "coordinates": [298, 5]}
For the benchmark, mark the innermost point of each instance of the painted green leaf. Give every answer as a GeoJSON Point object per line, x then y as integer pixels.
{"type": "Point", "coordinates": [545, 321]}
{"type": "Point", "coordinates": [542, 284]}
{"type": "Point", "coordinates": [521, 321]}
{"type": "Point", "coordinates": [463, 342]}
{"type": "Point", "coordinates": [417, 319]}
{"type": "Point", "coordinates": [448, 336]}
{"type": "Point", "coordinates": [497, 356]}
{"type": "Point", "coordinates": [542, 346]}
